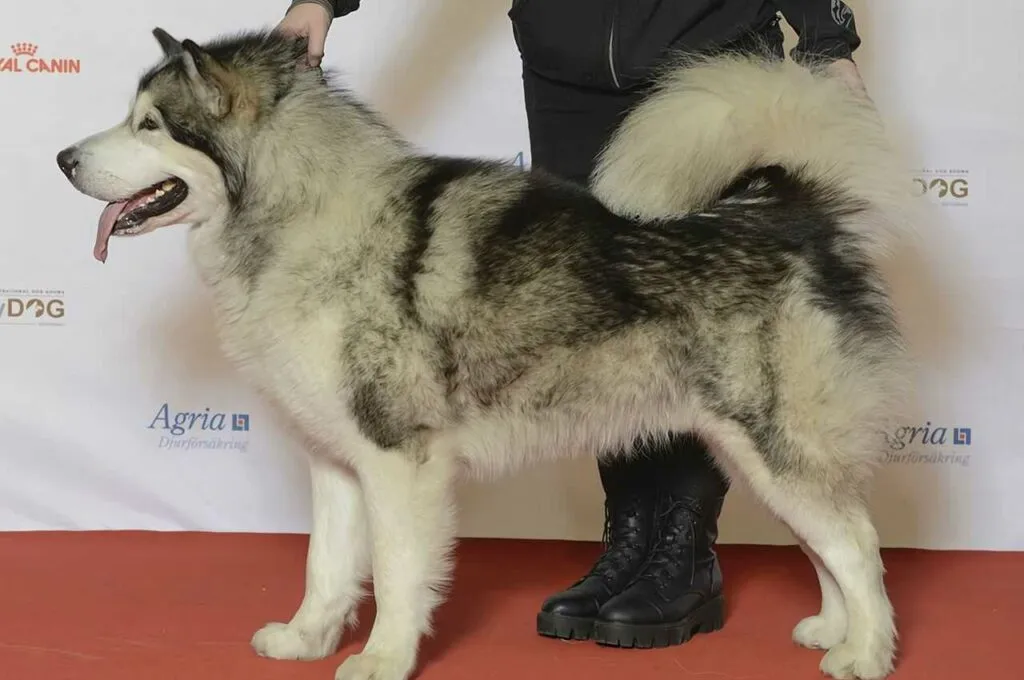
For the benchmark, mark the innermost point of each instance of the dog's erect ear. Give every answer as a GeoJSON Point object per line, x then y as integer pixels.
{"type": "Point", "coordinates": [197, 61]}
{"type": "Point", "coordinates": [168, 44]}
{"type": "Point", "coordinates": [207, 78]}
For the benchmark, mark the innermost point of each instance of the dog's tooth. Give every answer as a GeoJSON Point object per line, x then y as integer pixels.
{"type": "Point", "coordinates": [160, 192]}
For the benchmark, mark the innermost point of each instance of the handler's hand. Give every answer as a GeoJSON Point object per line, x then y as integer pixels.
{"type": "Point", "coordinates": [311, 21]}
{"type": "Point", "coordinates": [847, 71]}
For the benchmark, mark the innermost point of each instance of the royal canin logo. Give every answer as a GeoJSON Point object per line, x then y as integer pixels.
{"type": "Point", "coordinates": [25, 59]}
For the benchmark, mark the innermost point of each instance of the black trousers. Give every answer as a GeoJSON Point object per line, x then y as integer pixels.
{"type": "Point", "coordinates": [568, 126]}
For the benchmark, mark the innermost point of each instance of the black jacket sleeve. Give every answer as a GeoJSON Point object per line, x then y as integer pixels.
{"type": "Point", "coordinates": [337, 8]}
{"type": "Point", "coordinates": [826, 28]}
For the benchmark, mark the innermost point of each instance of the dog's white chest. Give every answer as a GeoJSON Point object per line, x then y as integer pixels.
{"type": "Point", "coordinates": [292, 358]}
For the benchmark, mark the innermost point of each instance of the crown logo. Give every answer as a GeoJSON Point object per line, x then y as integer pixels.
{"type": "Point", "coordinates": [24, 49]}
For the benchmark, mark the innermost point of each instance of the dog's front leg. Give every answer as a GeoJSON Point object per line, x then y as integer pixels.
{"type": "Point", "coordinates": [409, 500]}
{"type": "Point", "coordinates": [337, 563]}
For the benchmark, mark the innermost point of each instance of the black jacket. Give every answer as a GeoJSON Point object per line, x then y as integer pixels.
{"type": "Point", "coordinates": [613, 44]}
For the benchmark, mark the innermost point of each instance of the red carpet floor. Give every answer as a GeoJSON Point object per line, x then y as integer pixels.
{"type": "Point", "coordinates": [115, 606]}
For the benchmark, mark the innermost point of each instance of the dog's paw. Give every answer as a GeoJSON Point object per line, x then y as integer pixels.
{"type": "Point", "coordinates": [817, 632]}
{"type": "Point", "coordinates": [844, 662]}
{"type": "Point", "coordinates": [374, 666]}
{"type": "Point", "coordinates": [285, 641]}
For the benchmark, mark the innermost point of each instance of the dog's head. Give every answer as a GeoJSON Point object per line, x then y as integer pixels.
{"type": "Point", "coordinates": [179, 156]}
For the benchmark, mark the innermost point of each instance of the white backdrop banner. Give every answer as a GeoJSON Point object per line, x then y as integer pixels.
{"type": "Point", "coordinates": [118, 412]}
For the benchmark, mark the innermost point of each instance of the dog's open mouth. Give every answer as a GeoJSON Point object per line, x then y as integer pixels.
{"type": "Point", "coordinates": [128, 217]}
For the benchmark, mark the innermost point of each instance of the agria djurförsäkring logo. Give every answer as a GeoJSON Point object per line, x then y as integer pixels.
{"type": "Point", "coordinates": [929, 444]}
{"type": "Point", "coordinates": [206, 429]}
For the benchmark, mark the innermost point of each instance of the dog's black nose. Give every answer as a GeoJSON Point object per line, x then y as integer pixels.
{"type": "Point", "coordinates": [67, 161]}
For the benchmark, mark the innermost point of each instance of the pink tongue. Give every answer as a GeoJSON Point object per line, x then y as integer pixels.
{"type": "Point", "coordinates": [106, 228]}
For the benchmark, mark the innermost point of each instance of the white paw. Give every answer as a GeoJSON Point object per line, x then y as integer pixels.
{"type": "Point", "coordinates": [284, 641]}
{"type": "Point", "coordinates": [817, 632]}
{"type": "Point", "coordinates": [844, 662]}
{"type": "Point", "coordinates": [374, 666]}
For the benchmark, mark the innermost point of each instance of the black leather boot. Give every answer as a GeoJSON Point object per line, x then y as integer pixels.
{"type": "Point", "coordinates": [678, 592]}
{"type": "Point", "coordinates": [630, 504]}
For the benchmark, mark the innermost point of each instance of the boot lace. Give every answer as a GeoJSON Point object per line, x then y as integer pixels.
{"type": "Point", "coordinates": [623, 540]}
{"type": "Point", "coordinates": [674, 537]}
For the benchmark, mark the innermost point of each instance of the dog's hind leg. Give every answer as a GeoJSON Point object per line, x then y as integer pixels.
{"type": "Point", "coordinates": [828, 514]}
{"type": "Point", "coordinates": [337, 563]}
{"type": "Point", "coordinates": [410, 502]}
{"type": "Point", "coordinates": [840, 532]}
{"type": "Point", "coordinates": [827, 628]}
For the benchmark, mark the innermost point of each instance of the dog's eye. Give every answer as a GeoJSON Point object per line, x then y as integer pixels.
{"type": "Point", "coordinates": [148, 123]}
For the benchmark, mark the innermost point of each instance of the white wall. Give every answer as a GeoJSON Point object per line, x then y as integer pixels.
{"type": "Point", "coordinates": [77, 397]}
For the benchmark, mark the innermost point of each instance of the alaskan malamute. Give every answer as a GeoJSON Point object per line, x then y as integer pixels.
{"type": "Point", "coordinates": [417, 315]}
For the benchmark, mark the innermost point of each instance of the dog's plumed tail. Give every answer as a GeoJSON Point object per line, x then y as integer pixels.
{"type": "Point", "coordinates": [710, 120]}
